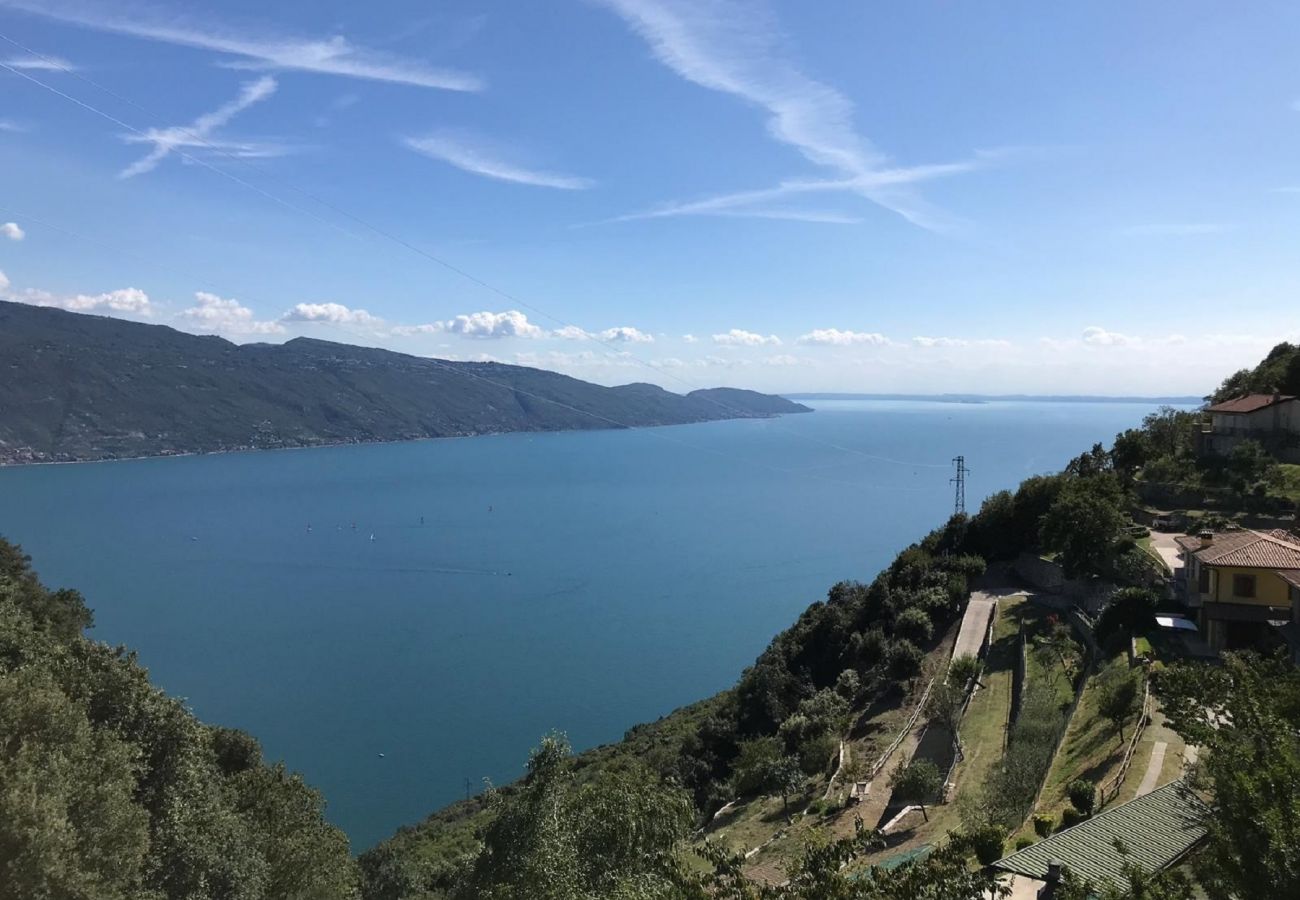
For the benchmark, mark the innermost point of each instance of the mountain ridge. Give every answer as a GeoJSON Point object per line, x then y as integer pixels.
{"type": "Point", "coordinates": [78, 387]}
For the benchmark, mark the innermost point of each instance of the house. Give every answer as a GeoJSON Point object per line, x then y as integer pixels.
{"type": "Point", "coordinates": [1271, 419]}
{"type": "Point", "coordinates": [1156, 831]}
{"type": "Point", "coordinates": [1242, 585]}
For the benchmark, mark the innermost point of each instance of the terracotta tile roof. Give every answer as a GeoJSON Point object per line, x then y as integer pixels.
{"type": "Point", "coordinates": [1249, 403]}
{"type": "Point", "coordinates": [1157, 829]}
{"type": "Point", "coordinates": [1248, 549]}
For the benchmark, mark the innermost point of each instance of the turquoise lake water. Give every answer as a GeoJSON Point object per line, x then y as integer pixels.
{"type": "Point", "coordinates": [578, 581]}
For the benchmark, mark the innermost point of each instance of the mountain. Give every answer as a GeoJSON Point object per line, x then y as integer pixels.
{"type": "Point", "coordinates": [80, 387]}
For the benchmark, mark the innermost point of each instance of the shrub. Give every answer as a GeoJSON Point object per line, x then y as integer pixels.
{"type": "Point", "coordinates": [1071, 816]}
{"type": "Point", "coordinates": [1024, 841]}
{"type": "Point", "coordinates": [914, 624]}
{"type": "Point", "coordinates": [1082, 794]}
{"type": "Point", "coordinates": [904, 659]}
{"type": "Point", "coordinates": [1043, 825]}
{"type": "Point", "coordinates": [987, 843]}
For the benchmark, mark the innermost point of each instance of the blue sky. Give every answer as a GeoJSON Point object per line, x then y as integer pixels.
{"type": "Point", "coordinates": [931, 196]}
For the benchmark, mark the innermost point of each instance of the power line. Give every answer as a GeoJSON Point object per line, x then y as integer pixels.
{"type": "Point", "coordinates": [377, 230]}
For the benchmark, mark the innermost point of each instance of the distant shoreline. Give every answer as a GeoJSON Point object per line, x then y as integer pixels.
{"type": "Point", "coordinates": [996, 398]}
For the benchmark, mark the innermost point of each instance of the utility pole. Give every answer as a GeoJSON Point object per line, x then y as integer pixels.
{"type": "Point", "coordinates": [959, 504]}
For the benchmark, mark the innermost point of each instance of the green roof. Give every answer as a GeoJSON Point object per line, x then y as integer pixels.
{"type": "Point", "coordinates": [1156, 829]}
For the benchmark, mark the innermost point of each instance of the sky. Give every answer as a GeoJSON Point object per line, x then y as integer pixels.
{"type": "Point", "coordinates": [1098, 198]}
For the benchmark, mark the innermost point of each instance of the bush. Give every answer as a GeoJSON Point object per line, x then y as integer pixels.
{"type": "Point", "coordinates": [914, 624]}
{"type": "Point", "coordinates": [904, 659]}
{"type": "Point", "coordinates": [1043, 825]}
{"type": "Point", "coordinates": [1082, 794]}
{"type": "Point", "coordinates": [987, 843]}
{"type": "Point", "coordinates": [1023, 842]}
{"type": "Point", "coordinates": [1071, 816]}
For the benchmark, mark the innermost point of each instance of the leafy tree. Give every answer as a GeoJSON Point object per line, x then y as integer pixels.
{"type": "Point", "coordinates": [753, 763]}
{"type": "Point", "coordinates": [1117, 698]}
{"type": "Point", "coordinates": [918, 782]}
{"type": "Point", "coordinates": [1082, 524]}
{"type": "Point", "coordinates": [1132, 450]}
{"type": "Point", "coordinates": [1170, 430]}
{"type": "Point", "coordinates": [914, 624]}
{"type": "Point", "coordinates": [945, 707]}
{"type": "Point", "coordinates": [962, 669]}
{"type": "Point", "coordinates": [68, 826]}
{"type": "Point", "coordinates": [1083, 795]}
{"type": "Point", "coordinates": [1245, 716]}
{"type": "Point", "coordinates": [555, 839]}
{"type": "Point", "coordinates": [1131, 611]}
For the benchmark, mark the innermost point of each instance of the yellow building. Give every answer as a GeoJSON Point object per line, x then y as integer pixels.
{"type": "Point", "coordinates": [1242, 584]}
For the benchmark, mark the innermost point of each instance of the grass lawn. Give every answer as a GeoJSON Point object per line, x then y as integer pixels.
{"type": "Point", "coordinates": [1290, 481]}
{"type": "Point", "coordinates": [1091, 748]}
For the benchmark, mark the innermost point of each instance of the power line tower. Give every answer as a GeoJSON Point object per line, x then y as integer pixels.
{"type": "Point", "coordinates": [959, 504]}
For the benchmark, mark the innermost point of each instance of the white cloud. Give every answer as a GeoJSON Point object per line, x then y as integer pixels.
{"type": "Point", "coordinates": [627, 334]}
{"type": "Point", "coordinates": [333, 55]}
{"type": "Point", "coordinates": [12, 231]}
{"type": "Point", "coordinates": [473, 156]}
{"type": "Point", "coordinates": [131, 301]}
{"type": "Point", "coordinates": [198, 133]}
{"type": "Point", "coordinates": [738, 337]}
{"type": "Point", "coordinates": [620, 334]}
{"type": "Point", "coordinates": [488, 325]}
{"type": "Point", "coordinates": [572, 333]}
{"type": "Point", "coordinates": [4, 282]}
{"type": "Point", "coordinates": [12, 127]}
{"type": "Point", "coordinates": [211, 313]}
{"type": "Point", "coordinates": [43, 63]}
{"type": "Point", "coordinates": [332, 313]}
{"type": "Point", "coordinates": [837, 338]}
{"type": "Point", "coordinates": [781, 359]}
{"type": "Point", "coordinates": [736, 49]}
{"type": "Point", "coordinates": [1100, 337]}
{"type": "Point", "coordinates": [690, 338]}
{"type": "Point", "coordinates": [928, 342]}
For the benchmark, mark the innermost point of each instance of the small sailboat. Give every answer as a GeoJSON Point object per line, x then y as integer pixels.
{"type": "Point", "coordinates": [372, 536]}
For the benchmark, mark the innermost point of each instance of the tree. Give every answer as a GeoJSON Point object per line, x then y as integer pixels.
{"type": "Point", "coordinates": [1170, 430]}
{"type": "Point", "coordinates": [1245, 716]}
{"type": "Point", "coordinates": [919, 783]}
{"type": "Point", "coordinates": [1082, 525]}
{"type": "Point", "coordinates": [1083, 795]}
{"type": "Point", "coordinates": [914, 624]}
{"type": "Point", "coordinates": [1117, 698]}
{"type": "Point", "coordinates": [1131, 611]}
{"type": "Point", "coordinates": [554, 838]}
{"type": "Point", "coordinates": [945, 707]}
{"type": "Point", "coordinates": [1131, 451]}
{"type": "Point", "coordinates": [962, 669]}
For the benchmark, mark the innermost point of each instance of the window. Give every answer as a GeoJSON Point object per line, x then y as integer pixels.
{"type": "Point", "coordinates": [1203, 580]}
{"type": "Point", "coordinates": [1243, 586]}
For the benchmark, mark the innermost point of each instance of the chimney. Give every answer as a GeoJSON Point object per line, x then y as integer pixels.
{"type": "Point", "coordinates": [1207, 538]}
{"type": "Point", "coordinates": [1055, 872]}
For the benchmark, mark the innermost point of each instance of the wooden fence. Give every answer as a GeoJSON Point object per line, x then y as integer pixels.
{"type": "Point", "coordinates": [1109, 789]}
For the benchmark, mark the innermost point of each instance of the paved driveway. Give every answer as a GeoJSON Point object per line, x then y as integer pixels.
{"type": "Point", "coordinates": [1163, 544]}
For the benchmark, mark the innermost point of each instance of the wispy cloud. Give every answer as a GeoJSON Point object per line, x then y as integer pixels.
{"type": "Point", "coordinates": [739, 337]}
{"type": "Point", "coordinates": [1174, 229]}
{"type": "Point", "coordinates": [331, 313]}
{"type": "Point", "coordinates": [45, 63]}
{"type": "Point", "coordinates": [12, 127]}
{"type": "Point", "coordinates": [473, 155]}
{"type": "Point", "coordinates": [198, 134]}
{"type": "Point", "coordinates": [333, 55]}
{"type": "Point", "coordinates": [837, 338]}
{"type": "Point", "coordinates": [737, 50]}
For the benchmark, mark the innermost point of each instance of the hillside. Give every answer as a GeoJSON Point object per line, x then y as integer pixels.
{"type": "Point", "coordinates": [79, 387]}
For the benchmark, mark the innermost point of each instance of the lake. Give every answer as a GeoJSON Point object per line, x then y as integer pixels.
{"type": "Point", "coordinates": [454, 600]}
